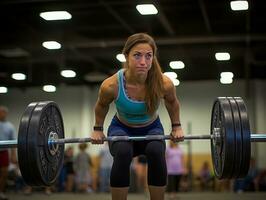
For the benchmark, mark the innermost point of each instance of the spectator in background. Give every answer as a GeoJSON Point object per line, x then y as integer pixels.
{"type": "Point", "coordinates": [7, 132]}
{"type": "Point", "coordinates": [175, 168]}
{"type": "Point", "coordinates": [82, 168]}
{"type": "Point", "coordinates": [252, 175]}
{"type": "Point", "coordinates": [69, 169]}
{"type": "Point", "coordinates": [249, 182]}
{"type": "Point", "coordinates": [206, 176]}
{"type": "Point", "coordinates": [106, 162]}
{"type": "Point", "coordinates": [28, 190]}
{"type": "Point", "coordinates": [261, 181]}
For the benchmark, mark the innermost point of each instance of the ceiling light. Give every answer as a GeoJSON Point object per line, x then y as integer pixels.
{"type": "Point", "coordinates": [227, 75]}
{"type": "Point", "coordinates": [226, 80]}
{"type": "Point", "coordinates": [222, 56]}
{"type": "Point", "coordinates": [176, 82]}
{"type": "Point", "coordinates": [68, 73]}
{"type": "Point", "coordinates": [171, 75]}
{"type": "Point", "coordinates": [121, 57]}
{"type": "Point", "coordinates": [51, 45]}
{"type": "Point", "coordinates": [49, 88]}
{"type": "Point", "coordinates": [147, 9]}
{"type": "Point", "coordinates": [55, 15]}
{"type": "Point", "coordinates": [3, 89]}
{"type": "Point", "coordinates": [18, 76]}
{"type": "Point", "coordinates": [239, 5]}
{"type": "Point", "coordinates": [177, 64]}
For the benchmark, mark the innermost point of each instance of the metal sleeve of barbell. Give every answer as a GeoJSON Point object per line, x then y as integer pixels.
{"type": "Point", "coordinates": [8, 144]}
{"type": "Point", "coordinates": [258, 137]}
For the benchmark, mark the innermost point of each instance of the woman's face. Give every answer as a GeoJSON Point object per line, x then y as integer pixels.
{"type": "Point", "coordinates": [140, 58]}
{"type": "Point", "coordinates": [3, 115]}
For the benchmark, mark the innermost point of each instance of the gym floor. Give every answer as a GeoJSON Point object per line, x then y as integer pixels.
{"type": "Point", "coordinates": [99, 196]}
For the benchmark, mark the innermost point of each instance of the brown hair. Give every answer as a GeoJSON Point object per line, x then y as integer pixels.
{"type": "Point", "coordinates": [83, 146]}
{"type": "Point", "coordinates": [154, 81]}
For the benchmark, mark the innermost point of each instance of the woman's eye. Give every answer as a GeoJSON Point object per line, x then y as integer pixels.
{"type": "Point", "coordinates": [137, 56]}
{"type": "Point", "coordinates": [148, 56]}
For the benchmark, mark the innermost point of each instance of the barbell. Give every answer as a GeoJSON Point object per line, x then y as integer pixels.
{"type": "Point", "coordinates": [41, 137]}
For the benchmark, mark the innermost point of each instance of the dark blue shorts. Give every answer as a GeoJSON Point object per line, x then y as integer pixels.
{"type": "Point", "coordinates": [117, 128]}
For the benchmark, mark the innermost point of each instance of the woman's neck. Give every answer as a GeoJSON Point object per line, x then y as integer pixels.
{"type": "Point", "coordinates": [135, 79]}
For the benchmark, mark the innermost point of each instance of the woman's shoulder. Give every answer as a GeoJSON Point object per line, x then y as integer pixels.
{"type": "Point", "coordinates": [167, 84]}
{"type": "Point", "coordinates": [110, 85]}
{"type": "Point", "coordinates": [111, 80]}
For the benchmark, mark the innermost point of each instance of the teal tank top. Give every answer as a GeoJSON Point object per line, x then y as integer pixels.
{"type": "Point", "coordinates": [129, 110]}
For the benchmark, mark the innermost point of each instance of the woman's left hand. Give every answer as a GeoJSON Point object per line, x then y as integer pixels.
{"type": "Point", "coordinates": [177, 134]}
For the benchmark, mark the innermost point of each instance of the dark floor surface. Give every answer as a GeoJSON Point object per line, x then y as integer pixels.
{"type": "Point", "coordinates": [100, 196]}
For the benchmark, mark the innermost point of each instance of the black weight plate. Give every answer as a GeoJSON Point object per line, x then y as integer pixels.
{"type": "Point", "coordinates": [246, 146]}
{"type": "Point", "coordinates": [23, 160]}
{"type": "Point", "coordinates": [223, 152]}
{"type": "Point", "coordinates": [238, 138]}
{"type": "Point", "coordinates": [46, 118]}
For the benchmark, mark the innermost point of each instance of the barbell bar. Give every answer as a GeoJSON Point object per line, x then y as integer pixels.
{"type": "Point", "coordinates": [41, 137]}
{"type": "Point", "coordinates": [14, 143]}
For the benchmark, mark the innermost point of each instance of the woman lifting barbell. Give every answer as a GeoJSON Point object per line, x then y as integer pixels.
{"type": "Point", "coordinates": [136, 90]}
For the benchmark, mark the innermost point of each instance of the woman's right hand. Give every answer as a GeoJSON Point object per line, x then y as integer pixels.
{"type": "Point", "coordinates": [97, 137]}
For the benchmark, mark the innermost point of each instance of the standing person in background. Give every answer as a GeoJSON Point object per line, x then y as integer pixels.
{"type": "Point", "coordinates": [206, 176]}
{"type": "Point", "coordinates": [175, 168]}
{"type": "Point", "coordinates": [7, 132]}
{"type": "Point", "coordinates": [106, 162]}
{"type": "Point", "coordinates": [82, 168]}
{"type": "Point", "coordinates": [249, 182]}
{"type": "Point", "coordinates": [137, 91]}
{"type": "Point", "coordinates": [69, 169]}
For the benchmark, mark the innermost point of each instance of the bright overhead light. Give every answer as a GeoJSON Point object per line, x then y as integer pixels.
{"type": "Point", "coordinates": [177, 64]}
{"type": "Point", "coordinates": [171, 75]}
{"type": "Point", "coordinates": [49, 88]}
{"type": "Point", "coordinates": [227, 75]}
{"type": "Point", "coordinates": [147, 9]}
{"type": "Point", "coordinates": [176, 82]}
{"type": "Point", "coordinates": [121, 57]}
{"type": "Point", "coordinates": [3, 89]}
{"type": "Point", "coordinates": [68, 73]}
{"type": "Point", "coordinates": [221, 56]}
{"type": "Point", "coordinates": [226, 80]}
{"type": "Point", "coordinates": [239, 5]}
{"type": "Point", "coordinates": [51, 45]}
{"type": "Point", "coordinates": [18, 76]}
{"type": "Point", "coordinates": [55, 15]}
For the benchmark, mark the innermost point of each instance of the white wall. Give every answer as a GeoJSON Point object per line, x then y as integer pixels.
{"type": "Point", "coordinates": [196, 98]}
{"type": "Point", "coordinates": [260, 119]}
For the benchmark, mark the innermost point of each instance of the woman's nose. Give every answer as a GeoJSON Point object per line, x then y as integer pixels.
{"type": "Point", "coordinates": [142, 60]}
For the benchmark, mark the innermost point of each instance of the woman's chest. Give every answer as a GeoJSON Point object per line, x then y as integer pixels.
{"type": "Point", "coordinates": [135, 92]}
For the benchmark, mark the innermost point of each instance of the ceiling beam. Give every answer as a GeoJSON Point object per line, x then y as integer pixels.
{"type": "Point", "coordinates": [117, 17]}
{"type": "Point", "coordinates": [164, 21]}
{"type": "Point", "coordinates": [173, 41]}
{"type": "Point", "coordinates": [180, 40]}
{"type": "Point", "coordinates": [205, 15]}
